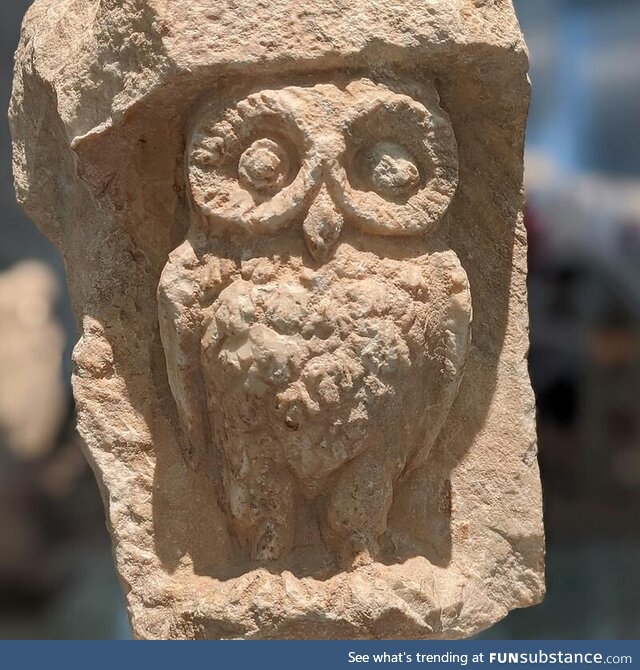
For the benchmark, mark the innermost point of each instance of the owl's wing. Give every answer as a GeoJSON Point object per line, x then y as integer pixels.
{"type": "Point", "coordinates": [178, 315]}
{"type": "Point", "coordinates": [455, 333]}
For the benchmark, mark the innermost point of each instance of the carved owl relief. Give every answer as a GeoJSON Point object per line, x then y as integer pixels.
{"type": "Point", "coordinates": [314, 322]}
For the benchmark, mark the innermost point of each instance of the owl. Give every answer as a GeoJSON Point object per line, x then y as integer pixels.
{"type": "Point", "coordinates": [315, 323]}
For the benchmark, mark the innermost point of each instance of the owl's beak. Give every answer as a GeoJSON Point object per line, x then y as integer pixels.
{"type": "Point", "coordinates": [322, 225]}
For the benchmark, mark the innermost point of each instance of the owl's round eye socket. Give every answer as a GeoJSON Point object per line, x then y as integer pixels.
{"type": "Point", "coordinates": [249, 162]}
{"type": "Point", "coordinates": [394, 171]}
{"type": "Point", "coordinates": [401, 161]}
{"type": "Point", "coordinates": [264, 167]}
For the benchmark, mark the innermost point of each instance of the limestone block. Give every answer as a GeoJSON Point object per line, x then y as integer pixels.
{"type": "Point", "coordinates": [294, 240]}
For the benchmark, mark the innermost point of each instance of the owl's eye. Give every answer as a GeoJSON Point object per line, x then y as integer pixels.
{"type": "Point", "coordinates": [249, 162]}
{"type": "Point", "coordinates": [393, 170]}
{"type": "Point", "coordinates": [401, 161]}
{"type": "Point", "coordinates": [264, 167]}
{"type": "Point", "coordinates": [386, 152]}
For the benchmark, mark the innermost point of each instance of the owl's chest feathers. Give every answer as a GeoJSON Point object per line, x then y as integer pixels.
{"type": "Point", "coordinates": [316, 385]}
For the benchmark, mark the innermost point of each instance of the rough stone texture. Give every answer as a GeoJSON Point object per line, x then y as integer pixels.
{"type": "Point", "coordinates": [278, 219]}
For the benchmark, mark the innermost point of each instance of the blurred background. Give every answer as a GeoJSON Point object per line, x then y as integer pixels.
{"type": "Point", "coordinates": [583, 217]}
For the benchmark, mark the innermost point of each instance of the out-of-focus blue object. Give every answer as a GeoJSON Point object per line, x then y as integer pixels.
{"type": "Point", "coordinates": [585, 69]}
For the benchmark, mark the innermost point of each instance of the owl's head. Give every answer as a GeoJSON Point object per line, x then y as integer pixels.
{"type": "Point", "coordinates": [377, 157]}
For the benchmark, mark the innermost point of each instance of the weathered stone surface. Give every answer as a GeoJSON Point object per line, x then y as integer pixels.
{"type": "Point", "coordinates": [279, 221]}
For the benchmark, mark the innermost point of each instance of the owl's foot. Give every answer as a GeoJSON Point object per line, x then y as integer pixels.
{"type": "Point", "coordinates": [358, 551]}
{"type": "Point", "coordinates": [357, 509]}
{"type": "Point", "coordinates": [262, 511]}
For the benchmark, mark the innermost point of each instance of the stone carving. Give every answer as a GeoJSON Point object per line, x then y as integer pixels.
{"type": "Point", "coordinates": [323, 372]}
{"type": "Point", "coordinates": [276, 228]}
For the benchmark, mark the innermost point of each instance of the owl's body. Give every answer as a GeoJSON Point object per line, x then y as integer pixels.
{"type": "Point", "coordinates": [330, 352]}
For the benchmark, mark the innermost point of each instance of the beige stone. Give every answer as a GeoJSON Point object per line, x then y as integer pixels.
{"type": "Point", "coordinates": [280, 221]}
